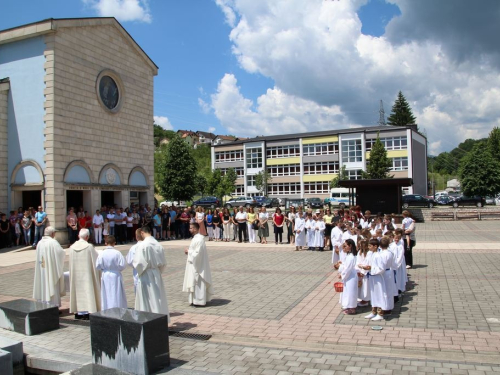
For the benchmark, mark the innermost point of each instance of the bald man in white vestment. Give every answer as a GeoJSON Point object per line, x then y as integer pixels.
{"type": "Point", "coordinates": [49, 269]}
{"type": "Point", "coordinates": [198, 278]}
{"type": "Point", "coordinates": [149, 261]}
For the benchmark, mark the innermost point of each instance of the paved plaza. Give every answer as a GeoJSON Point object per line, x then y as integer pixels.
{"type": "Point", "coordinates": [275, 311]}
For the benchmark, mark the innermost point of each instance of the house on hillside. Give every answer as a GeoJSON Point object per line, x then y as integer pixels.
{"type": "Point", "coordinates": [205, 138]}
{"type": "Point", "coordinates": [189, 136]}
{"type": "Point", "coordinates": [222, 139]}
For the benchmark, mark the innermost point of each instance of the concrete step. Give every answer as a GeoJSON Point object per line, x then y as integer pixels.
{"type": "Point", "coordinates": [6, 367]}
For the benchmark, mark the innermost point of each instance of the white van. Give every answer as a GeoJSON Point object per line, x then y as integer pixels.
{"type": "Point", "coordinates": [338, 197]}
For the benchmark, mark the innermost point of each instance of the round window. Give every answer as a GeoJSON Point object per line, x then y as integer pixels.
{"type": "Point", "coordinates": [109, 93]}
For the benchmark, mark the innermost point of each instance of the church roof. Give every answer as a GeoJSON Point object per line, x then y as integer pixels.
{"type": "Point", "coordinates": [51, 25]}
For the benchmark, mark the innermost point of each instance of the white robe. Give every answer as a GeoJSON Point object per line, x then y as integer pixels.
{"type": "Point", "coordinates": [198, 277]}
{"type": "Point", "coordinates": [149, 261]}
{"type": "Point", "coordinates": [364, 290]}
{"type": "Point", "coordinates": [393, 248]}
{"type": "Point", "coordinates": [319, 233]}
{"type": "Point", "coordinates": [49, 283]}
{"type": "Point", "coordinates": [111, 262]}
{"type": "Point", "coordinates": [309, 225]}
{"type": "Point", "coordinates": [379, 295]}
{"type": "Point", "coordinates": [300, 235]}
{"type": "Point", "coordinates": [347, 270]}
{"type": "Point", "coordinates": [85, 279]}
{"type": "Point", "coordinates": [130, 261]}
{"type": "Point", "coordinates": [401, 274]}
{"type": "Point", "coordinates": [336, 237]}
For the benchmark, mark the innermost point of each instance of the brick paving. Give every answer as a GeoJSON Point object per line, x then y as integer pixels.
{"type": "Point", "coordinates": [275, 311]}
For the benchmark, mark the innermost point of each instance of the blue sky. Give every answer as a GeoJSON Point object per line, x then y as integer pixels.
{"type": "Point", "coordinates": [251, 67]}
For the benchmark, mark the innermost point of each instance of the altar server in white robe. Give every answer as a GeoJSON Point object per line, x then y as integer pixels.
{"type": "Point", "coordinates": [310, 225]}
{"type": "Point", "coordinates": [319, 233]}
{"type": "Point", "coordinates": [300, 234]}
{"type": "Point", "coordinates": [336, 237]}
{"type": "Point", "coordinates": [381, 300]}
{"type": "Point", "coordinates": [111, 262]}
{"type": "Point", "coordinates": [363, 259]}
{"type": "Point", "coordinates": [149, 261]}
{"type": "Point", "coordinates": [49, 269]}
{"type": "Point", "coordinates": [198, 277]}
{"type": "Point", "coordinates": [349, 276]}
{"type": "Point", "coordinates": [85, 279]}
{"type": "Point", "coordinates": [400, 264]}
{"type": "Point", "coordinates": [131, 254]}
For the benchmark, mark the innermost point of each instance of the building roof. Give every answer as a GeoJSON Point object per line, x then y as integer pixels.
{"type": "Point", "coordinates": [51, 25]}
{"type": "Point", "coordinates": [381, 182]}
{"type": "Point", "coordinates": [322, 133]}
{"type": "Point", "coordinates": [206, 135]}
{"type": "Point", "coordinates": [227, 137]}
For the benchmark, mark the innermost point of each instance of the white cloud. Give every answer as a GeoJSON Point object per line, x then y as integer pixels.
{"type": "Point", "coordinates": [211, 129]}
{"type": "Point", "coordinates": [329, 75]}
{"type": "Point", "coordinates": [164, 122]}
{"type": "Point", "coordinates": [205, 107]}
{"type": "Point", "coordinates": [122, 10]}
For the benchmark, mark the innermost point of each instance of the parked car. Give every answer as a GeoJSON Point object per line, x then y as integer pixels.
{"type": "Point", "coordinates": [444, 200]}
{"type": "Point", "coordinates": [468, 201]}
{"type": "Point", "coordinates": [417, 200]}
{"type": "Point", "coordinates": [270, 202]}
{"type": "Point", "coordinates": [490, 200]}
{"type": "Point", "coordinates": [241, 201]}
{"type": "Point", "coordinates": [260, 199]}
{"type": "Point", "coordinates": [208, 202]}
{"type": "Point", "coordinates": [314, 203]}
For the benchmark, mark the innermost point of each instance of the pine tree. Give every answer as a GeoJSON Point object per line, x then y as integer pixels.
{"type": "Point", "coordinates": [379, 165]}
{"type": "Point", "coordinates": [401, 113]}
{"type": "Point", "coordinates": [176, 171]}
{"type": "Point", "coordinates": [480, 172]}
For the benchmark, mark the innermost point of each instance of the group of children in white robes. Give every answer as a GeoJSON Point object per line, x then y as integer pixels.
{"type": "Point", "coordinates": [372, 269]}
{"type": "Point", "coordinates": [310, 231]}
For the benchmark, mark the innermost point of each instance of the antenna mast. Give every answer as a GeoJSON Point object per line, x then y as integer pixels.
{"type": "Point", "coordinates": [381, 120]}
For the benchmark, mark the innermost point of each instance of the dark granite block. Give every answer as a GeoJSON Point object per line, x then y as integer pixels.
{"type": "Point", "coordinates": [28, 317]}
{"type": "Point", "coordinates": [93, 369]}
{"type": "Point", "coordinates": [129, 340]}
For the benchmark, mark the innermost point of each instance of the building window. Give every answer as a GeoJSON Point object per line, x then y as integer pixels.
{"type": "Point", "coordinates": [317, 187]}
{"type": "Point", "coordinates": [251, 180]}
{"type": "Point", "coordinates": [240, 171]}
{"type": "Point", "coordinates": [326, 167]}
{"type": "Point", "coordinates": [254, 157]}
{"type": "Point", "coordinates": [284, 170]}
{"type": "Point", "coordinates": [399, 164]}
{"type": "Point", "coordinates": [352, 151]}
{"type": "Point", "coordinates": [240, 190]}
{"type": "Point", "coordinates": [390, 143]}
{"type": "Point", "coordinates": [283, 151]}
{"type": "Point", "coordinates": [284, 188]}
{"type": "Point", "coordinates": [328, 148]}
{"type": "Point", "coordinates": [354, 174]}
{"type": "Point", "coordinates": [227, 156]}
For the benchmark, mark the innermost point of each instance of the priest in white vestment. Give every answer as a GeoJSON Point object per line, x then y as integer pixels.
{"type": "Point", "coordinates": [198, 278]}
{"type": "Point", "coordinates": [149, 261]}
{"type": "Point", "coordinates": [85, 279]}
{"type": "Point", "coordinates": [111, 262]}
{"type": "Point", "coordinates": [49, 269]}
{"type": "Point", "coordinates": [131, 254]}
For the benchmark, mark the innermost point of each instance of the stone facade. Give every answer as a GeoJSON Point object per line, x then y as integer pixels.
{"type": "Point", "coordinates": [107, 148]}
{"type": "Point", "coordinates": [4, 178]}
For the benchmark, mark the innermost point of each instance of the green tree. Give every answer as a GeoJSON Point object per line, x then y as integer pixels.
{"type": "Point", "coordinates": [334, 183]}
{"type": "Point", "coordinates": [229, 182]}
{"type": "Point", "coordinates": [262, 181]}
{"type": "Point", "coordinates": [202, 155]}
{"type": "Point", "coordinates": [214, 185]}
{"type": "Point", "coordinates": [494, 143]}
{"type": "Point", "coordinates": [160, 134]}
{"type": "Point", "coordinates": [201, 183]}
{"type": "Point", "coordinates": [401, 113]}
{"type": "Point", "coordinates": [176, 171]}
{"type": "Point", "coordinates": [379, 165]}
{"type": "Point", "coordinates": [480, 172]}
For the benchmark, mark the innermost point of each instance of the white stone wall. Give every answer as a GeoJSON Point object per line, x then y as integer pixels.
{"type": "Point", "coordinates": [78, 127]}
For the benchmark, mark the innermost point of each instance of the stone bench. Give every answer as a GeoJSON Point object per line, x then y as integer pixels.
{"type": "Point", "coordinates": [467, 215]}
{"type": "Point", "coordinates": [442, 215]}
{"type": "Point", "coordinates": [130, 340]}
{"type": "Point", "coordinates": [15, 348]}
{"type": "Point", "coordinates": [28, 317]}
{"type": "Point", "coordinates": [6, 367]}
{"type": "Point", "coordinates": [486, 214]}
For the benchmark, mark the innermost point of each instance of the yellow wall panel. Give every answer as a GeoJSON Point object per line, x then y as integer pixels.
{"type": "Point", "coordinates": [319, 177]}
{"type": "Point", "coordinates": [308, 141]}
{"type": "Point", "coordinates": [392, 154]}
{"type": "Point", "coordinates": [278, 161]}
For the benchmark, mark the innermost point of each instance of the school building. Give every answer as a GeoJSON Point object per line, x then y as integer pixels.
{"type": "Point", "coordinates": [76, 117]}
{"type": "Point", "coordinates": [302, 165]}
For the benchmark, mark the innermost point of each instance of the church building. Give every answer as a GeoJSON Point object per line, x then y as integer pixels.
{"type": "Point", "coordinates": [76, 117]}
